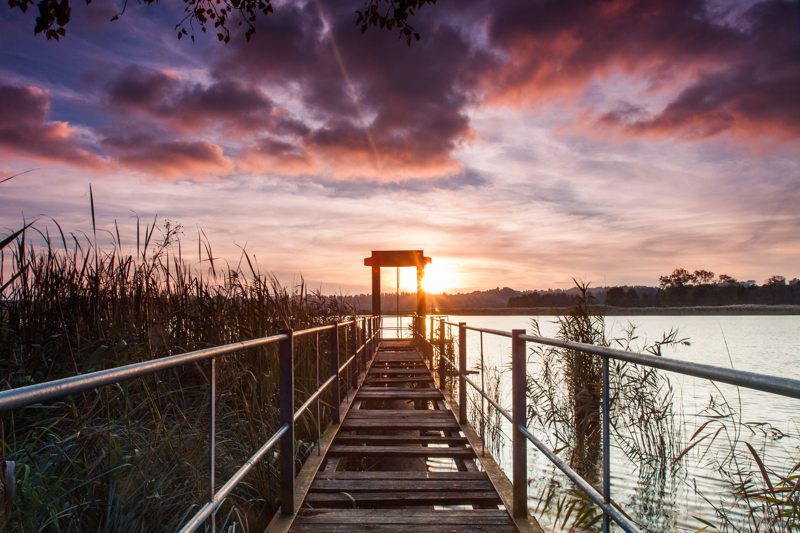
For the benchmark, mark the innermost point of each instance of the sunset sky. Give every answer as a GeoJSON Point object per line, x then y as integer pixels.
{"type": "Point", "coordinates": [518, 143]}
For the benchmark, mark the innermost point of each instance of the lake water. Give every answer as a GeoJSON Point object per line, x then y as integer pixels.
{"type": "Point", "coordinates": [764, 344]}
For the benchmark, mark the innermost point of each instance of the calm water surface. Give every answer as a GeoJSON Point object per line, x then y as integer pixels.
{"type": "Point", "coordinates": [765, 344]}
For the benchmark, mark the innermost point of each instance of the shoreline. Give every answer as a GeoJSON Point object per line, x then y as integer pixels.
{"type": "Point", "coordinates": [743, 310]}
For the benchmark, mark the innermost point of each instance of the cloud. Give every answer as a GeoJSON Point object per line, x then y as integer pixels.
{"type": "Point", "coordinates": [237, 106]}
{"type": "Point", "coordinates": [274, 156]}
{"type": "Point", "coordinates": [374, 108]}
{"type": "Point", "coordinates": [169, 159]}
{"type": "Point", "coordinates": [717, 72]}
{"type": "Point", "coordinates": [25, 128]}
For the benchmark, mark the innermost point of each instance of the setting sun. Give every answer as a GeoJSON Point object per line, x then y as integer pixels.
{"type": "Point", "coordinates": [440, 276]}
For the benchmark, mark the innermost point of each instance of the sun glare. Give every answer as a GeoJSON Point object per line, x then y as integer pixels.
{"type": "Point", "coordinates": [440, 276]}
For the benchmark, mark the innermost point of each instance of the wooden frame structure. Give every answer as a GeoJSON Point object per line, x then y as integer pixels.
{"type": "Point", "coordinates": [397, 258]}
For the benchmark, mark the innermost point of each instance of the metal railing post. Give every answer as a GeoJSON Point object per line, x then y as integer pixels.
{"type": "Point", "coordinates": [286, 356]}
{"type": "Point", "coordinates": [442, 368]}
{"type": "Point", "coordinates": [520, 448]}
{"type": "Point", "coordinates": [367, 339]}
{"type": "Point", "coordinates": [336, 394]}
{"type": "Point", "coordinates": [606, 448]}
{"type": "Point", "coordinates": [212, 433]}
{"type": "Point", "coordinates": [429, 348]}
{"type": "Point", "coordinates": [354, 349]}
{"type": "Point", "coordinates": [462, 372]}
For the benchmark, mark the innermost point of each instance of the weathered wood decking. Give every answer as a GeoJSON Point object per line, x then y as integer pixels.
{"type": "Point", "coordinates": [399, 460]}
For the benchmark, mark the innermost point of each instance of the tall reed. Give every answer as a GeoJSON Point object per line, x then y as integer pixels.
{"type": "Point", "coordinates": [133, 456]}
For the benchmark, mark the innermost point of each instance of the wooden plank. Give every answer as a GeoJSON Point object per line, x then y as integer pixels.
{"type": "Point", "coordinates": [419, 379]}
{"type": "Point", "coordinates": [397, 439]}
{"type": "Point", "coordinates": [400, 413]}
{"type": "Point", "coordinates": [403, 517]}
{"type": "Point", "coordinates": [371, 388]}
{"type": "Point", "coordinates": [301, 527]}
{"type": "Point", "coordinates": [394, 474]}
{"type": "Point", "coordinates": [389, 424]}
{"type": "Point", "coordinates": [400, 499]}
{"type": "Point", "coordinates": [380, 485]}
{"type": "Point", "coordinates": [401, 451]}
{"type": "Point", "coordinates": [395, 395]}
{"type": "Point", "coordinates": [390, 371]}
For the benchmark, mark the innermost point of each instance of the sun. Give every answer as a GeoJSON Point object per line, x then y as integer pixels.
{"type": "Point", "coordinates": [440, 276]}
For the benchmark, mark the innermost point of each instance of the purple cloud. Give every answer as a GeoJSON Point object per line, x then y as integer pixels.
{"type": "Point", "coordinates": [25, 129]}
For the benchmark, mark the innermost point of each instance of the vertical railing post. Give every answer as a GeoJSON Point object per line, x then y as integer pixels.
{"type": "Point", "coordinates": [354, 350]}
{"type": "Point", "coordinates": [520, 448]}
{"type": "Point", "coordinates": [336, 395]}
{"type": "Point", "coordinates": [367, 338]}
{"type": "Point", "coordinates": [212, 433]}
{"type": "Point", "coordinates": [286, 357]}
{"type": "Point", "coordinates": [442, 368]}
{"type": "Point", "coordinates": [606, 448]}
{"type": "Point", "coordinates": [462, 372]}
{"type": "Point", "coordinates": [430, 347]}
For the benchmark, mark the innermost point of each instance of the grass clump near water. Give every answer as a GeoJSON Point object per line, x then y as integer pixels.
{"type": "Point", "coordinates": [564, 407]}
{"type": "Point", "coordinates": [133, 456]}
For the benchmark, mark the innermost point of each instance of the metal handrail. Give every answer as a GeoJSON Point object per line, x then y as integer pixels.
{"type": "Point", "coordinates": [284, 435]}
{"type": "Point", "coordinates": [53, 390]}
{"type": "Point", "coordinates": [521, 434]}
{"type": "Point", "coordinates": [742, 378]}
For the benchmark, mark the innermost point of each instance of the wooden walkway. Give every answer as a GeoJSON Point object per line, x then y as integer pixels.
{"type": "Point", "coordinates": [399, 461]}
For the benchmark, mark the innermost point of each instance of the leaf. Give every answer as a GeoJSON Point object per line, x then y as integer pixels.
{"type": "Point", "coordinates": [761, 467]}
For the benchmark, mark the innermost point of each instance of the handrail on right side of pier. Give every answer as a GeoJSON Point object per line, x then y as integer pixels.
{"type": "Point", "coordinates": [433, 340]}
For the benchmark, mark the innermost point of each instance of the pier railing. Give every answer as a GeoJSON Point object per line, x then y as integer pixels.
{"type": "Point", "coordinates": [364, 334]}
{"type": "Point", "coordinates": [431, 334]}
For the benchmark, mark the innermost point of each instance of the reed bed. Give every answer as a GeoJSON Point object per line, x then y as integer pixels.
{"type": "Point", "coordinates": [133, 457]}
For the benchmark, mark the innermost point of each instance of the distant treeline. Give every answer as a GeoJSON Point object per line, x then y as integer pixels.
{"type": "Point", "coordinates": [681, 288]}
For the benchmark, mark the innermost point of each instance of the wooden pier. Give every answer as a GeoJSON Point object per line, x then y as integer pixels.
{"type": "Point", "coordinates": [400, 461]}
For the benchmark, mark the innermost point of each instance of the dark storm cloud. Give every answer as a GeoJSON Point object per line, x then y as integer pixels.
{"type": "Point", "coordinates": [26, 128]}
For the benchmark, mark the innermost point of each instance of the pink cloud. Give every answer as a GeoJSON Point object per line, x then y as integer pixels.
{"type": "Point", "coordinates": [25, 128]}
{"type": "Point", "coordinates": [719, 76]}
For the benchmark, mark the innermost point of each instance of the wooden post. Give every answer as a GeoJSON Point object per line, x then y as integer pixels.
{"type": "Point", "coordinates": [376, 290]}
{"type": "Point", "coordinates": [286, 356]}
{"type": "Point", "coordinates": [462, 372]}
{"type": "Point", "coordinates": [421, 296]}
{"type": "Point", "coordinates": [336, 395]}
{"type": "Point", "coordinates": [519, 442]}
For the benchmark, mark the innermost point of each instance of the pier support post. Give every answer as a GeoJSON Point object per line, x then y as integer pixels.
{"type": "Point", "coordinates": [376, 290]}
{"type": "Point", "coordinates": [462, 372]}
{"type": "Point", "coordinates": [520, 447]}
{"type": "Point", "coordinates": [286, 362]}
